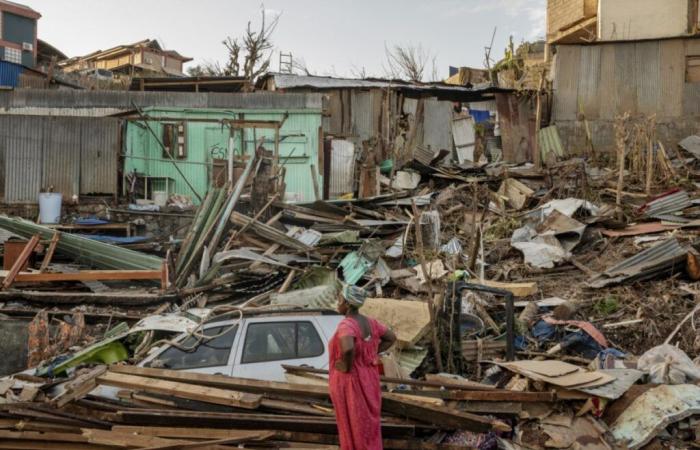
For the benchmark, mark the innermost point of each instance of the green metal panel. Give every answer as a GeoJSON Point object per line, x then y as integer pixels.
{"type": "Point", "coordinates": [207, 141]}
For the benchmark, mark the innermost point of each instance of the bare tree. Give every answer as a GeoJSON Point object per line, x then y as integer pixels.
{"type": "Point", "coordinates": [358, 72]}
{"type": "Point", "coordinates": [299, 66]}
{"type": "Point", "coordinates": [407, 62]}
{"type": "Point", "coordinates": [248, 55]}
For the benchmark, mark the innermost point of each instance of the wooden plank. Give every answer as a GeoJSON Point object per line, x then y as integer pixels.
{"type": "Point", "coordinates": [50, 251]}
{"type": "Point", "coordinates": [79, 387]}
{"type": "Point", "coordinates": [19, 262]}
{"type": "Point", "coordinates": [440, 416]}
{"type": "Point", "coordinates": [186, 432]}
{"type": "Point", "coordinates": [523, 289]}
{"type": "Point", "coordinates": [242, 421]}
{"type": "Point", "coordinates": [88, 275]}
{"type": "Point", "coordinates": [430, 383]}
{"type": "Point", "coordinates": [125, 440]}
{"type": "Point", "coordinates": [181, 390]}
{"type": "Point", "coordinates": [225, 382]}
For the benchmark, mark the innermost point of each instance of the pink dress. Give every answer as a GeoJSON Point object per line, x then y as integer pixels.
{"type": "Point", "coordinates": [357, 395]}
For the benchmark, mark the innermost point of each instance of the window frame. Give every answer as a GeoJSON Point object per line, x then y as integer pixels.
{"type": "Point", "coordinates": [185, 336]}
{"type": "Point", "coordinates": [296, 323]}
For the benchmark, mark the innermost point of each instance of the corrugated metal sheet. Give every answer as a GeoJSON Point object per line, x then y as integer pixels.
{"type": "Point", "coordinates": [568, 60]}
{"type": "Point", "coordinates": [666, 257]}
{"type": "Point", "coordinates": [9, 74]}
{"type": "Point", "coordinates": [609, 79]}
{"type": "Point", "coordinates": [99, 156]}
{"type": "Point", "coordinates": [362, 115]}
{"type": "Point", "coordinates": [64, 152]}
{"type": "Point", "coordinates": [648, 64]}
{"type": "Point", "coordinates": [667, 204]}
{"type": "Point", "coordinates": [22, 143]}
{"type": "Point", "coordinates": [437, 125]}
{"type": "Point", "coordinates": [341, 177]}
{"type": "Point", "coordinates": [61, 154]}
{"type": "Point", "coordinates": [589, 82]}
{"type": "Point", "coordinates": [550, 142]}
{"type": "Point", "coordinates": [95, 103]}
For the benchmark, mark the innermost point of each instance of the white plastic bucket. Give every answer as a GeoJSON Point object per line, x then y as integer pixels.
{"type": "Point", "coordinates": [50, 207]}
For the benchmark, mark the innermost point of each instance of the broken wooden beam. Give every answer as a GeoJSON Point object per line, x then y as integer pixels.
{"type": "Point", "coordinates": [181, 390]}
{"type": "Point", "coordinates": [20, 261]}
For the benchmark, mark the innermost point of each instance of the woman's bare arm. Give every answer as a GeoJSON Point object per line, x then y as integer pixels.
{"type": "Point", "coordinates": [347, 354]}
{"type": "Point", "coordinates": [388, 340]}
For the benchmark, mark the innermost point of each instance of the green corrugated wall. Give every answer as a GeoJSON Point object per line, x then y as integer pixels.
{"type": "Point", "coordinates": [298, 148]}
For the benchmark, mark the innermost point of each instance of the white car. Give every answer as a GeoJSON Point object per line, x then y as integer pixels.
{"type": "Point", "coordinates": [256, 347]}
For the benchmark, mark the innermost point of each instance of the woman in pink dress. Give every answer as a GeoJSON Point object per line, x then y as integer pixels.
{"type": "Point", "coordinates": [354, 373]}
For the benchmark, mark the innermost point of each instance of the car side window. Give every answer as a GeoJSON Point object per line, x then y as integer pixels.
{"type": "Point", "coordinates": [276, 341]}
{"type": "Point", "coordinates": [209, 353]}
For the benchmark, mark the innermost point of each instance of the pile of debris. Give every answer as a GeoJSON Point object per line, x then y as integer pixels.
{"type": "Point", "coordinates": [533, 309]}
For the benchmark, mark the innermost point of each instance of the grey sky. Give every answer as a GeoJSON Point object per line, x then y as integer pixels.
{"type": "Point", "coordinates": [333, 37]}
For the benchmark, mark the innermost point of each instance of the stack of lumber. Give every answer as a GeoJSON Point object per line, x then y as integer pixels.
{"type": "Point", "coordinates": [159, 408]}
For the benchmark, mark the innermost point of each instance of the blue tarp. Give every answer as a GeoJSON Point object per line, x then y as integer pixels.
{"type": "Point", "coordinates": [480, 116]}
{"type": "Point", "coordinates": [90, 221]}
{"type": "Point", "coordinates": [113, 239]}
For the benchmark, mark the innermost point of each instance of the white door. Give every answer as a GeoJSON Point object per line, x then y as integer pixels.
{"type": "Point", "coordinates": [268, 343]}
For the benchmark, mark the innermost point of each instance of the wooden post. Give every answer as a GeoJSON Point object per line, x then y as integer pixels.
{"type": "Point", "coordinates": [21, 259]}
{"type": "Point", "coordinates": [49, 252]}
{"type": "Point", "coordinates": [424, 268]}
{"type": "Point", "coordinates": [314, 178]}
{"type": "Point", "coordinates": [537, 157]}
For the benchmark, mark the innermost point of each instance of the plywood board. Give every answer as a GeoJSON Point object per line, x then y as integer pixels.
{"type": "Point", "coordinates": [409, 320]}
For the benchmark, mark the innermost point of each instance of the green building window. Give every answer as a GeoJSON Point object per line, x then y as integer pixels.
{"type": "Point", "coordinates": [175, 140]}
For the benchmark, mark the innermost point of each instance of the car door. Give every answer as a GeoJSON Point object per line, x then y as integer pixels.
{"type": "Point", "coordinates": [268, 343]}
{"type": "Point", "coordinates": [211, 356]}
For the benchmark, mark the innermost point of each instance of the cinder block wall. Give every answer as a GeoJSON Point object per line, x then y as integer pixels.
{"type": "Point", "coordinates": [564, 13]}
{"type": "Point", "coordinates": [561, 13]}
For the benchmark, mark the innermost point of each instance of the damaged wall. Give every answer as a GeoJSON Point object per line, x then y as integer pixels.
{"type": "Point", "coordinates": [207, 141]}
{"type": "Point", "coordinates": [599, 82]}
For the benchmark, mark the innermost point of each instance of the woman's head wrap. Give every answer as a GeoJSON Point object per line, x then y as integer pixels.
{"type": "Point", "coordinates": [354, 295]}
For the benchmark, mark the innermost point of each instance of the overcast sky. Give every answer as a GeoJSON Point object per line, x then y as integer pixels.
{"type": "Point", "coordinates": [333, 37]}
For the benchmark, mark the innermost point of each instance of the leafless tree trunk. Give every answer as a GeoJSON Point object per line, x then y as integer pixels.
{"type": "Point", "coordinates": [407, 62]}
{"type": "Point", "coordinates": [248, 56]}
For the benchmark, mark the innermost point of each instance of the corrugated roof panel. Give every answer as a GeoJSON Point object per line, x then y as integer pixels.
{"type": "Point", "coordinates": [550, 142]}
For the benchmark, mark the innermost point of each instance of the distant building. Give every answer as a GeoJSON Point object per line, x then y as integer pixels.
{"type": "Point", "coordinates": [144, 58]}
{"type": "Point", "coordinates": [18, 33]}
{"type": "Point", "coordinates": [612, 57]}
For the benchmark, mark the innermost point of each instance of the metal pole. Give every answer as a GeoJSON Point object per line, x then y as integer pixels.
{"type": "Point", "coordinates": [167, 151]}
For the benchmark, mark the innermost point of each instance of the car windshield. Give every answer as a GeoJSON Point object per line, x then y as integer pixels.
{"type": "Point", "coordinates": [194, 353]}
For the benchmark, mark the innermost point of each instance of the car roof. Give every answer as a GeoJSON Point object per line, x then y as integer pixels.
{"type": "Point", "coordinates": [266, 312]}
